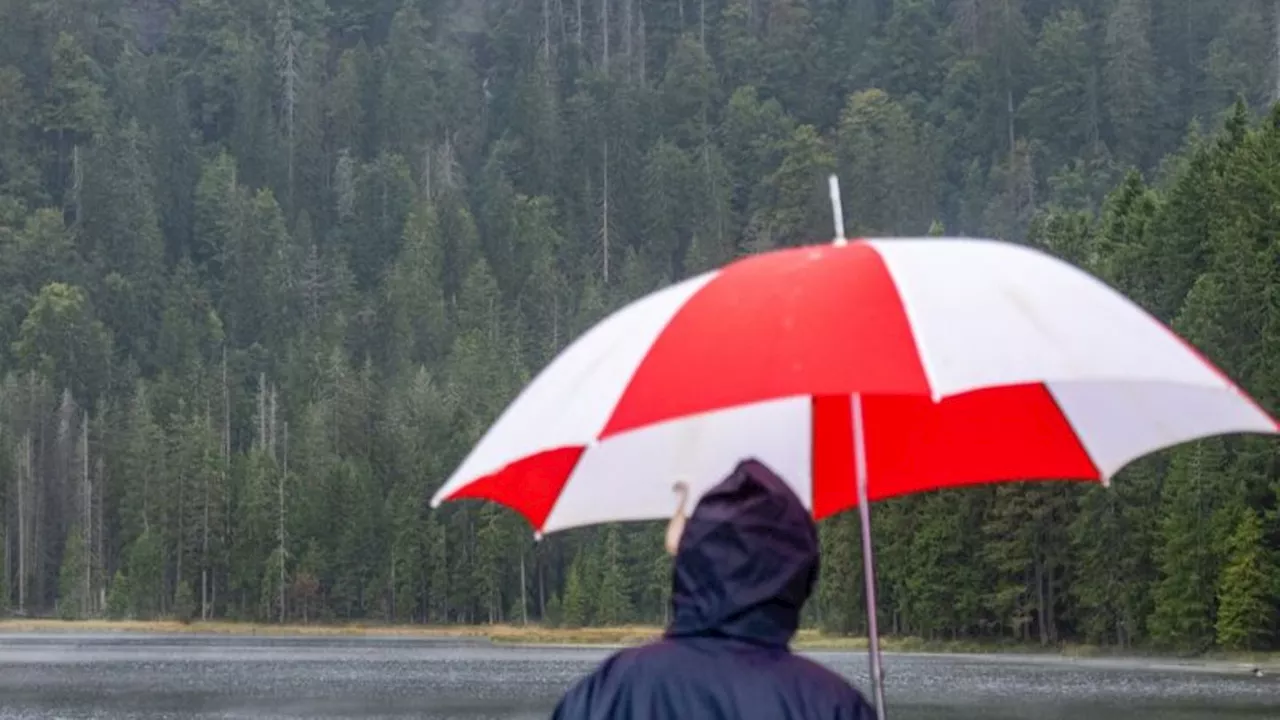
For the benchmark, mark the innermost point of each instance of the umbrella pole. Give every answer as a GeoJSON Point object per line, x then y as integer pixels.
{"type": "Point", "coordinates": [868, 562]}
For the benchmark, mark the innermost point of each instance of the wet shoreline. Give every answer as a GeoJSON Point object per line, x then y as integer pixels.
{"type": "Point", "coordinates": [90, 634]}
{"type": "Point", "coordinates": [232, 635]}
{"type": "Point", "coordinates": [187, 676]}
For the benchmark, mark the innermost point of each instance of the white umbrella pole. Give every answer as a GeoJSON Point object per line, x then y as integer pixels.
{"type": "Point", "coordinates": [868, 562]}
{"type": "Point", "coordinates": [837, 211]}
{"type": "Point", "coordinates": [864, 506]}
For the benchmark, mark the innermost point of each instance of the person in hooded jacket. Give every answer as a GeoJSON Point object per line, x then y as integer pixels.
{"type": "Point", "coordinates": [746, 562]}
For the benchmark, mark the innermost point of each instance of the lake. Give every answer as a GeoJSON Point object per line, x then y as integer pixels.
{"type": "Point", "coordinates": [181, 677]}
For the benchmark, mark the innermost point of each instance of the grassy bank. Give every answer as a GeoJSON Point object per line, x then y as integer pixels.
{"type": "Point", "coordinates": [611, 637]}
{"type": "Point", "coordinates": [220, 627]}
{"type": "Point", "coordinates": [501, 634]}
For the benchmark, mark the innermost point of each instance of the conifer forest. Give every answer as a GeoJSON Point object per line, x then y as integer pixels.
{"type": "Point", "coordinates": [269, 268]}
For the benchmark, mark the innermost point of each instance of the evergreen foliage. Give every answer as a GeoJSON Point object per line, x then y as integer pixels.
{"type": "Point", "coordinates": [268, 268]}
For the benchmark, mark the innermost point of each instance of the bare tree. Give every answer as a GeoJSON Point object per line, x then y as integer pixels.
{"type": "Point", "coordinates": [261, 440]}
{"type": "Point", "coordinates": [271, 421]}
{"type": "Point", "coordinates": [344, 182]}
{"type": "Point", "coordinates": [642, 59]}
{"type": "Point", "coordinates": [288, 41]}
{"type": "Point", "coordinates": [87, 514]}
{"type": "Point", "coordinates": [24, 491]}
{"type": "Point", "coordinates": [702, 23]}
{"type": "Point", "coordinates": [225, 466]}
{"type": "Point", "coordinates": [604, 35]}
{"type": "Point", "coordinates": [524, 593]}
{"type": "Point", "coordinates": [577, 28]}
{"type": "Point", "coordinates": [546, 31]}
{"type": "Point", "coordinates": [628, 33]}
{"type": "Point", "coordinates": [283, 476]}
{"type": "Point", "coordinates": [77, 185]}
{"type": "Point", "coordinates": [1276, 4]}
{"type": "Point", "coordinates": [204, 532]}
{"type": "Point", "coordinates": [604, 213]}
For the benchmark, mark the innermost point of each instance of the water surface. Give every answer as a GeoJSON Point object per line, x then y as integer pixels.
{"type": "Point", "coordinates": [183, 677]}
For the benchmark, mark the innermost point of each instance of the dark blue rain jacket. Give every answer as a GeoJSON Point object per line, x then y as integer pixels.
{"type": "Point", "coordinates": [747, 562]}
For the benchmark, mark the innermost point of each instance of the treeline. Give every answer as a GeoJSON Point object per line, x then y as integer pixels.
{"type": "Point", "coordinates": [268, 268]}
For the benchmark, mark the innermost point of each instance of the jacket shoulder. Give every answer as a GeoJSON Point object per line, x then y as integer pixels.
{"type": "Point", "coordinates": [849, 703]}
{"type": "Point", "coordinates": [596, 695]}
{"type": "Point", "coordinates": [677, 680]}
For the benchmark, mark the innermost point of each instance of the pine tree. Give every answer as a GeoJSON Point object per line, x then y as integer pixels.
{"type": "Point", "coordinates": [1128, 75]}
{"type": "Point", "coordinates": [119, 597]}
{"type": "Point", "coordinates": [578, 596]}
{"type": "Point", "coordinates": [1184, 595]}
{"type": "Point", "coordinates": [72, 600]}
{"type": "Point", "coordinates": [613, 599]}
{"type": "Point", "coordinates": [144, 568]}
{"type": "Point", "coordinates": [840, 586]}
{"type": "Point", "coordinates": [1246, 589]}
{"type": "Point", "coordinates": [890, 168]}
{"type": "Point", "coordinates": [184, 602]}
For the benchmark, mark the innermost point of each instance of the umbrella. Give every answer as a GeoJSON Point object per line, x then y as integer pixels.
{"type": "Point", "coordinates": [858, 371]}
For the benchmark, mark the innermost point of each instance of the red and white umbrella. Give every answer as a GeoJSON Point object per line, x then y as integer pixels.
{"type": "Point", "coordinates": [857, 371]}
{"type": "Point", "coordinates": [970, 361]}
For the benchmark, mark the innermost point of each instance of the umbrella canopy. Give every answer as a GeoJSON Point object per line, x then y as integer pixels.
{"type": "Point", "coordinates": [952, 361]}
{"type": "Point", "coordinates": [858, 371]}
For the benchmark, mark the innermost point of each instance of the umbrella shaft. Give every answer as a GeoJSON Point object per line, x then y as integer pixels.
{"type": "Point", "coordinates": [868, 561]}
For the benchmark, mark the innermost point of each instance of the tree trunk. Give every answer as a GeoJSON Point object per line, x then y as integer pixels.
{"type": "Point", "coordinates": [271, 421]}
{"type": "Point", "coordinates": [1050, 612]}
{"type": "Point", "coordinates": [444, 555]}
{"type": "Point", "coordinates": [38, 520]}
{"type": "Point", "coordinates": [1009, 103]}
{"type": "Point", "coordinates": [77, 179]}
{"type": "Point", "coordinates": [542, 585]}
{"type": "Point", "coordinates": [281, 484]}
{"type": "Point", "coordinates": [524, 594]}
{"type": "Point", "coordinates": [560, 18]}
{"type": "Point", "coordinates": [604, 35]}
{"type": "Point", "coordinates": [103, 567]}
{"type": "Point", "coordinates": [182, 537]}
{"type": "Point", "coordinates": [604, 225]}
{"type": "Point", "coordinates": [546, 33]}
{"type": "Point", "coordinates": [702, 23]}
{"type": "Point", "coordinates": [262, 411]}
{"type": "Point", "coordinates": [225, 470]}
{"type": "Point", "coordinates": [87, 603]}
{"type": "Point", "coordinates": [204, 543]}
{"type": "Point", "coordinates": [1041, 615]}
{"type": "Point", "coordinates": [1276, 96]}
{"type": "Point", "coordinates": [641, 61]}
{"type": "Point", "coordinates": [628, 30]}
{"type": "Point", "coordinates": [24, 472]}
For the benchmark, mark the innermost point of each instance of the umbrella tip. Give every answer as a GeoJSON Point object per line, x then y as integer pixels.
{"type": "Point", "coordinates": [837, 211]}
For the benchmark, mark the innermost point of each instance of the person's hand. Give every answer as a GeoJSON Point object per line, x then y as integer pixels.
{"type": "Point", "coordinates": [675, 528]}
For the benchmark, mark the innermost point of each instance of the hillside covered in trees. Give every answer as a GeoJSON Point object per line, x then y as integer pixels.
{"type": "Point", "coordinates": [268, 268]}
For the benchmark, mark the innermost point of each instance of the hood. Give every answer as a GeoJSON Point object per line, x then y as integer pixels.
{"type": "Point", "coordinates": [747, 561]}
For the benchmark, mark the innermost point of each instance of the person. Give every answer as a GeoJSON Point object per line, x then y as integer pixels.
{"type": "Point", "coordinates": [745, 563]}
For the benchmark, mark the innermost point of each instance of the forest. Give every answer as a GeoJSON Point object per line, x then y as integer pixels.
{"type": "Point", "coordinates": [268, 268]}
